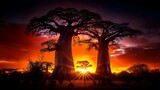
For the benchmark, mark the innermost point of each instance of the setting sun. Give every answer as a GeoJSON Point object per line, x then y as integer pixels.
{"type": "Point", "coordinates": [83, 71]}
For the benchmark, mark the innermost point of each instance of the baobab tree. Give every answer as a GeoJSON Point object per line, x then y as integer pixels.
{"type": "Point", "coordinates": [101, 35]}
{"type": "Point", "coordinates": [62, 22]}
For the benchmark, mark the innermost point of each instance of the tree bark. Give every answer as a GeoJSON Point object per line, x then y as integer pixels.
{"type": "Point", "coordinates": [64, 65]}
{"type": "Point", "coordinates": [103, 63]}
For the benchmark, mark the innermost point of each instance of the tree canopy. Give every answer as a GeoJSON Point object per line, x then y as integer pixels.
{"type": "Point", "coordinates": [59, 20]}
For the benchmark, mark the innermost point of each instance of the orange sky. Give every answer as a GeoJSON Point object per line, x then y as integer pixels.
{"type": "Point", "coordinates": [80, 53]}
{"type": "Point", "coordinates": [16, 48]}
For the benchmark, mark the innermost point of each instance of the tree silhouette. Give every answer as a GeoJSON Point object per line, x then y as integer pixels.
{"type": "Point", "coordinates": [83, 64]}
{"type": "Point", "coordinates": [101, 35]}
{"type": "Point", "coordinates": [124, 75]}
{"type": "Point", "coordinates": [138, 69]}
{"type": "Point", "coordinates": [35, 72]}
{"type": "Point", "coordinates": [62, 22]}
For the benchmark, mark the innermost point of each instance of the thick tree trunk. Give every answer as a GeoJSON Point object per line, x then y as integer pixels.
{"type": "Point", "coordinates": [64, 65]}
{"type": "Point", "coordinates": [103, 63]}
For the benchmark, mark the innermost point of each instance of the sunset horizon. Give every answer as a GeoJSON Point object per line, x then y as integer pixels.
{"type": "Point", "coordinates": [80, 53]}
{"type": "Point", "coordinates": [79, 44]}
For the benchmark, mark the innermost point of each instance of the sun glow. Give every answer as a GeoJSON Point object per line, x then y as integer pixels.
{"type": "Point", "coordinates": [81, 69]}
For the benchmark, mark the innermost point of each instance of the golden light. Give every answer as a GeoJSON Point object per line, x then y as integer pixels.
{"type": "Point", "coordinates": [117, 52]}
{"type": "Point", "coordinates": [50, 71]}
{"type": "Point", "coordinates": [118, 69]}
{"type": "Point", "coordinates": [83, 71]}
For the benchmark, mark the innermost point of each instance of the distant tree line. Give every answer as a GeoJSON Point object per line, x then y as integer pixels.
{"type": "Point", "coordinates": [136, 76]}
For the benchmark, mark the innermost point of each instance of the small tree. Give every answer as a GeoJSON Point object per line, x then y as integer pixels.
{"type": "Point", "coordinates": [83, 64]}
{"type": "Point", "coordinates": [35, 72]}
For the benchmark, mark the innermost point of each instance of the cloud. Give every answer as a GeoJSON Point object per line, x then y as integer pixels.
{"type": "Point", "coordinates": [148, 39]}
{"type": "Point", "coordinates": [142, 55]}
{"type": "Point", "coordinates": [6, 61]}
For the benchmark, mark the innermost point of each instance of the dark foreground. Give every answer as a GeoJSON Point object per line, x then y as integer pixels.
{"type": "Point", "coordinates": [121, 81]}
{"type": "Point", "coordinates": [83, 85]}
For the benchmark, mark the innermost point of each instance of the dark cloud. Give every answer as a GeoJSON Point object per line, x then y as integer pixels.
{"type": "Point", "coordinates": [141, 55]}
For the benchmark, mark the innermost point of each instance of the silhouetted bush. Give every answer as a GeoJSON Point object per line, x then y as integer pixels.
{"type": "Point", "coordinates": [36, 79]}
